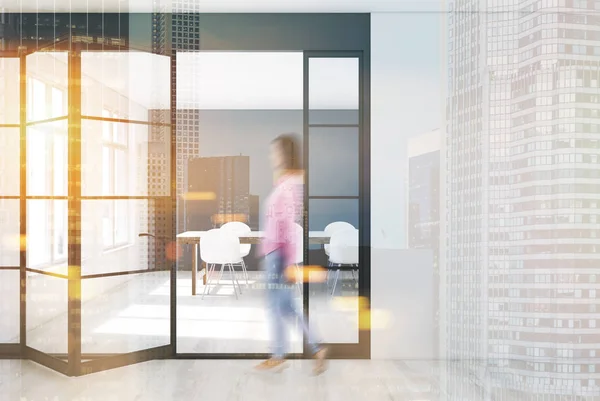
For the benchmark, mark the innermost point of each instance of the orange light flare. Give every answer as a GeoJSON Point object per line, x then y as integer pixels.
{"type": "Point", "coordinates": [228, 218]}
{"type": "Point", "coordinates": [200, 196]}
{"type": "Point", "coordinates": [369, 319]}
{"type": "Point", "coordinates": [306, 274]}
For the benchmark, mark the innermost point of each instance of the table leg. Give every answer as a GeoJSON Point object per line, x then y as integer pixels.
{"type": "Point", "coordinates": [194, 268]}
{"type": "Point", "coordinates": [205, 271]}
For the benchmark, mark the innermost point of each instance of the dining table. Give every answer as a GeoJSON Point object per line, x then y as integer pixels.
{"type": "Point", "coordinates": [253, 237]}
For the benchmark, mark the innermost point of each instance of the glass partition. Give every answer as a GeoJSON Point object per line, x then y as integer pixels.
{"type": "Point", "coordinates": [126, 216]}
{"type": "Point", "coordinates": [10, 243]}
{"type": "Point", "coordinates": [46, 204]}
{"type": "Point", "coordinates": [334, 165]}
{"type": "Point", "coordinates": [231, 105]}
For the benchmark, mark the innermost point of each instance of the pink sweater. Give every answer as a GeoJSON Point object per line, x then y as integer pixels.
{"type": "Point", "coordinates": [283, 208]}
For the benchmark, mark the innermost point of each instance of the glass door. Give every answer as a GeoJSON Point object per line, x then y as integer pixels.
{"type": "Point", "coordinates": [334, 139]}
{"type": "Point", "coordinates": [47, 283]}
{"type": "Point", "coordinates": [230, 106]}
{"type": "Point", "coordinates": [10, 257]}
{"type": "Point", "coordinates": [99, 221]}
{"type": "Point", "coordinates": [126, 209]}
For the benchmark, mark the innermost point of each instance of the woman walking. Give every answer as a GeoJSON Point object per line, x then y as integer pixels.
{"type": "Point", "coordinates": [283, 208]}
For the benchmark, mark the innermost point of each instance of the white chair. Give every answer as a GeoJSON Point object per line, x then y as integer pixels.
{"type": "Point", "coordinates": [220, 247]}
{"type": "Point", "coordinates": [240, 229]}
{"type": "Point", "coordinates": [343, 251]}
{"type": "Point", "coordinates": [333, 227]}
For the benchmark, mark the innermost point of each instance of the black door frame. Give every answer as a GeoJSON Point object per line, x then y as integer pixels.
{"type": "Point", "coordinates": [362, 349]}
{"type": "Point", "coordinates": [312, 34]}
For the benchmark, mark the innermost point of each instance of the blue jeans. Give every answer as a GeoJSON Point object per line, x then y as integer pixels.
{"type": "Point", "coordinates": [282, 308]}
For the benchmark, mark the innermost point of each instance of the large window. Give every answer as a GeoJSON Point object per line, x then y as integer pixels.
{"type": "Point", "coordinates": [115, 178]}
{"type": "Point", "coordinates": [47, 177]}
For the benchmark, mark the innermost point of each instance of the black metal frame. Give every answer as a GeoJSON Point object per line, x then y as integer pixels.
{"type": "Point", "coordinates": [15, 350]}
{"type": "Point", "coordinates": [362, 349]}
{"type": "Point", "coordinates": [76, 363]}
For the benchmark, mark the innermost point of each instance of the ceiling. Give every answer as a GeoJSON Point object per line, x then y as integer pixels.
{"type": "Point", "coordinates": [92, 6]}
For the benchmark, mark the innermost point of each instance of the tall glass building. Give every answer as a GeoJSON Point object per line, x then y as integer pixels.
{"type": "Point", "coordinates": [523, 190]}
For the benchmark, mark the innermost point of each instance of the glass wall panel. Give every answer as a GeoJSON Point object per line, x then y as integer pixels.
{"type": "Point", "coordinates": [47, 145]}
{"type": "Point", "coordinates": [334, 305]}
{"type": "Point", "coordinates": [47, 323]}
{"type": "Point", "coordinates": [9, 87]}
{"type": "Point", "coordinates": [123, 159]}
{"type": "Point", "coordinates": [333, 161]}
{"type": "Point", "coordinates": [47, 239]}
{"type": "Point", "coordinates": [47, 85]}
{"type": "Point", "coordinates": [124, 85]}
{"type": "Point", "coordinates": [9, 306]}
{"type": "Point", "coordinates": [110, 235]}
{"type": "Point", "coordinates": [125, 313]}
{"type": "Point", "coordinates": [334, 190]}
{"type": "Point", "coordinates": [232, 105]}
{"type": "Point", "coordinates": [333, 90]}
{"type": "Point", "coordinates": [10, 233]}
{"type": "Point", "coordinates": [10, 161]}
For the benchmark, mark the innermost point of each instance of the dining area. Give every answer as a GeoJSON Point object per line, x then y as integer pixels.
{"type": "Point", "coordinates": [224, 250]}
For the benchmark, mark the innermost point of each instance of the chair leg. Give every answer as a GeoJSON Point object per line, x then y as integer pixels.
{"type": "Point", "coordinates": [209, 273]}
{"type": "Point", "coordinates": [245, 271]}
{"type": "Point", "coordinates": [337, 276]}
{"type": "Point", "coordinates": [220, 275]}
{"type": "Point", "coordinates": [234, 280]}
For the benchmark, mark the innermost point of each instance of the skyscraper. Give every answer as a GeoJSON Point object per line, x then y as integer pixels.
{"type": "Point", "coordinates": [227, 179]}
{"type": "Point", "coordinates": [523, 189]}
{"type": "Point", "coordinates": [38, 30]}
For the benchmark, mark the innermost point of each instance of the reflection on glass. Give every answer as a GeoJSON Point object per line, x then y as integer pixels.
{"type": "Point", "coordinates": [333, 90]}
{"type": "Point", "coordinates": [110, 239]}
{"type": "Point", "coordinates": [9, 161]}
{"type": "Point", "coordinates": [46, 321]}
{"type": "Point", "coordinates": [333, 162]}
{"type": "Point", "coordinates": [126, 160]}
{"type": "Point", "coordinates": [9, 87]}
{"type": "Point", "coordinates": [244, 105]}
{"type": "Point", "coordinates": [334, 305]}
{"type": "Point", "coordinates": [9, 306]}
{"type": "Point", "coordinates": [125, 313]}
{"type": "Point", "coordinates": [47, 235]}
{"type": "Point", "coordinates": [47, 159]}
{"type": "Point", "coordinates": [9, 234]}
{"type": "Point", "coordinates": [47, 85]}
{"type": "Point", "coordinates": [124, 84]}
{"type": "Point", "coordinates": [326, 211]}
{"type": "Point", "coordinates": [345, 117]}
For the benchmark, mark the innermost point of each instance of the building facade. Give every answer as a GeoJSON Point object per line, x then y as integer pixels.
{"type": "Point", "coordinates": [523, 189]}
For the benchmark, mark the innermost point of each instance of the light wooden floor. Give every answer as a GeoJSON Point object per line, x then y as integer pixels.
{"type": "Point", "coordinates": [191, 380]}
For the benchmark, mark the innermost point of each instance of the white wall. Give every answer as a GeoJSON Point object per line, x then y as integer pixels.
{"type": "Point", "coordinates": [405, 101]}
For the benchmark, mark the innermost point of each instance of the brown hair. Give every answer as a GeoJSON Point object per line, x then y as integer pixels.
{"type": "Point", "coordinates": [289, 146]}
